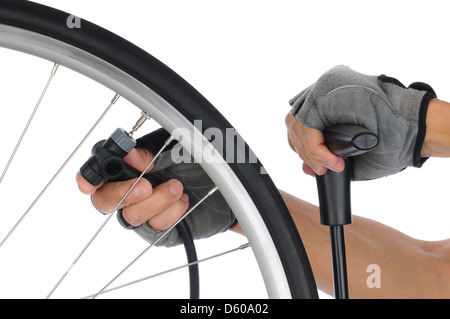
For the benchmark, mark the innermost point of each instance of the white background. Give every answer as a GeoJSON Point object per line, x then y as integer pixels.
{"type": "Point", "coordinates": [248, 58]}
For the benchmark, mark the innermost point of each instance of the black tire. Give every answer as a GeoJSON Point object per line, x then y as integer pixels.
{"type": "Point", "coordinates": [188, 101]}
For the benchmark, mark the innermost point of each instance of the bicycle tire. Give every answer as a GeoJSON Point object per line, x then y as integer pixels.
{"type": "Point", "coordinates": [31, 19]}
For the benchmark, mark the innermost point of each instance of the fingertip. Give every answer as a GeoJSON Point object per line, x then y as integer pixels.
{"type": "Point", "coordinates": [308, 170]}
{"type": "Point", "coordinates": [175, 187]}
{"type": "Point", "coordinates": [84, 186]}
{"type": "Point", "coordinates": [336, 163]}
{"type": "Point", "coordinates": [143, 189]}
{"type": "Point", "coordinates": [325, 158]}
{"type": "Point", "coordinates": [320, 170]}
{"type": "Point", "coordinates": [185, 198]}
{"type": "Point", "coordinates": [340, 165]}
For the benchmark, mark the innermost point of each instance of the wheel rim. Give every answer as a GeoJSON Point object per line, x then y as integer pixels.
{"type": "Point", "coordinates": [137, 93]}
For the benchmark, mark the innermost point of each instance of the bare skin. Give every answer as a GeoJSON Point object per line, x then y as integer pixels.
{"type": "Point", "coordinates": [308, 142]}
{"type": "Point", "coordinates": [410, 269]}
{"type": "Point", "coordinates": [159, 207]}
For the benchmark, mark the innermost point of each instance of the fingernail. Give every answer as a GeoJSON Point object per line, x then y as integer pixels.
{"type": "Point", "coordinates": [185, 198]}
{"type": "Point", "coordinates": [320, 170]}
{"type": "Point", "coordinates": [338, 167]}
{"type": "Point", "coordinates": [142, 189]}
{"type": "Point", "coordinates": [176, 188]}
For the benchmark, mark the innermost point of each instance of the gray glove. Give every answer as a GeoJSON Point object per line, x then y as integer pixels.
{"type": "Point", "coordinates": [209, 218]}
{"type": "Point", "coordinates": [381, 104]}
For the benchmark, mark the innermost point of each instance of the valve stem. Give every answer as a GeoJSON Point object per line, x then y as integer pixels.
{"type": "Point", "coordinates": [144, 117]}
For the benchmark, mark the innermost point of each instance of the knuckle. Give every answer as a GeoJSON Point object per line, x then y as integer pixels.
{"type": "Point", "coordinates": [288, 119]}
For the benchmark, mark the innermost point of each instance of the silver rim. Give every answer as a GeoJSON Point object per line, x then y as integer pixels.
{"type": "Point", "coordinates": [134, 91]}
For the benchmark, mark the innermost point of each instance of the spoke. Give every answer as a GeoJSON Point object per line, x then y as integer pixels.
{"type": "Point", "coordinates": [55, 67]}
{"type": "Point", "coordinates": [241, 247]}
{"type": "Point", "coordinates": [142, 174]}
{"type": "Point", "coordinates": [114, 100]}
{"type": "Point", "coordinates": [110, 214]}
{"type": "Point", "coordinates": [212, 191]}
{"type": "Point", "coordinates": [78, 257]}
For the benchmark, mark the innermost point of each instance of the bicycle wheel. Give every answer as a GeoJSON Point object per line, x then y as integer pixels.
{"type": "Point", "coordinates": [153, 87]}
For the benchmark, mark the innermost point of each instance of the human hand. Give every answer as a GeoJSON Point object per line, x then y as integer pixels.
{"type": "Point", "coordinates": [309, 144]}
{"type": "Point", "coordinates": [381, 104]}
{"type": "Point", "coordinates": [159, 207]}
{"type": "Point", "coordinates": [149, 211]}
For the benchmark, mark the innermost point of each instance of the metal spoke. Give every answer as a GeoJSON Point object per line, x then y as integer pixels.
{"type": "Point", "coordinates": [110, 214]}
{"type": "Point", "coordinates": [241, 247]}
{"type": "Point", "coordinates": [114, 100]}
{"type": "Point", "coordinates": [55, 67]}
{"type": "Point", "coordinates": [212, 191]}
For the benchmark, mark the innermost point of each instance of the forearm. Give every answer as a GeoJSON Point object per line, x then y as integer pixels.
{"type": "Point", "coordinates": [408, 266]}
{"type": "Point", "coordinates": [437, 137]}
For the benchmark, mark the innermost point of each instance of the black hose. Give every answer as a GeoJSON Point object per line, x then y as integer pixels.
{"type": "Point", "coordinates": [191, 253]}
{"type": "Point", "coordinates": [339, 262]}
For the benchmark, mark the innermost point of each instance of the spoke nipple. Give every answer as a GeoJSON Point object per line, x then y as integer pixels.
{"type": "Point", "coordinates": [115, 98]}
{"type": "Point", "coordinates": [212, 191]}
{"type": "Point", "coordinates": [169, 140]}
{"type": "Point", "coordinates": [55, 67]}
